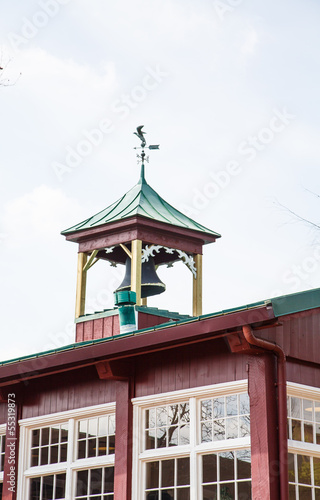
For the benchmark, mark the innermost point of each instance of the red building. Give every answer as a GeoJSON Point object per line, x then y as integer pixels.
{"type": "Point", "coordinates": [203, 407]}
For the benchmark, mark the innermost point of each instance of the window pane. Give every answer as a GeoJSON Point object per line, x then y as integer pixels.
{"type": "Point", "coordinates": [292, 492]}
{"type": "Point", "coordinates": [244, 491]}
{"type": "Point", "coordinates": [232, 428]}
{"type": "Point", "coordinates": [243, 464]}
{"type": "Point", "coordinates": [226, 466]}
{"type": "Point", "coordinates": [60, 486]}
{"type": "Point", "coordinates": [102, 446]}
{"type": "Point", "coordinates": [185, 434]}
{"type": "Point", "coordinates": [183, 494]}
{"type": "Point", "coordinates": [183, 473]}
{"type": "Point", "coordinates": [108, 479]}
{"type": "Point", "coordinates": [150, 418]}
{"type": "Point", "coordinates": [244, 404]}
{"type": "Point", "coordinates": [112, 441]}
{"type": "Point", "coordinates": [206, 409]}
{"type": "Point", "coordinates": [296, 407]}
{"type": "Point", "coordinates": [209, 492]}
{"type": "Point", "coordinates": [317, 494]}
{"type": "Point", "coordinates": [47, 488]}
{"type": "Point", "coordinates": [308, 433]}
{"type": "Point", "coordinates": [63, 452]}
{"type": "Point", "coordinates": [34, 457]}
{"type": "Point", "coordinates": [219, 430]}
{"type": "Point", "coordinates": [167, 473]}
{"type": "Point", "coordinates": [152, 475]}
{"type": "Point", "coordinates": [103, 426]}
{"type": "Point", "coordinates": [54, 435]}
{"type": "Point", "coordinates": [218, 408]}
{"type": "Point", "coordinates": [35, 488]}
{"type": "Point", "coordinates": [317, 434]}
{"type": "Point", "coordinates": [317, 411]}
{"type": "Point", "coordinates": [64, 433]}
{"type": "Point", "coordinates": [161, 416]}
{"type": "Point", "coordinates": [82, 482]}
{"type": "Point", "coordinates": [305, 493]}
{"type": "Point", "coordinates": [206, 432]}
{"type": "Point", "coordinates": [82, 429]}
{"type": "Point", "coordinates": [296, 430]}
{"type": "Point", "coordinates": [95, 481]}
{"type": "Point", "coordinates": [92, 447]}
{"type": "Point", "coordinates": [81, 449]}
{"type": "Point", "coordinates": [227, 491]}
{"type": "Point", "coordinates": [291, 467]}
{"type": "Point", "coordinates": [162, 438]}
{"type": "Point", "coordinates": [45, 436]}
{"type": "Point", "coordinates": [54, 454]}
{"type": "Point", "coordinates": [304, 472]}
{"type": "Point", "coordinates": [232, 406]}
{"type": "Point", "coordinates": [244, 426]}
{"type": "Point", "coordinates": [209, 468]}
{"type": "Point", "coordinates": [173, 436]}
{"type": "Point", "coordinates": [316, 471]}
{"type": "Point", "coordinates": [44, 456]}
{"type": "Point", "coordinates": [112, 424]}
{"type": "Point", "coordinates": [150, 439]}
{"type": "Point", "coordinates": [35, 437]}
{"type": "Point", "coordinates": [307, 409]}
{"type": "Point", "coordinates": [167, 495]}
{"type": "Point", "coordinates": [93, 427]}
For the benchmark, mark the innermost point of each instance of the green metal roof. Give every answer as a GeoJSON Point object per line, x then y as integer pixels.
{"type": "Point", "coordinates": [286, 304]}
{"type": "Point", "coordinates": [144, 201]}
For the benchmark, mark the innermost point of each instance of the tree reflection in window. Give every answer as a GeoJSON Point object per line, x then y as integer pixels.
{"type": "Point", "coordinates": [167, 426]}
{"type": "Point", "coordinates": [226, 417]}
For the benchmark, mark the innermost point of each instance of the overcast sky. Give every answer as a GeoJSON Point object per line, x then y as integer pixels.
{"type": "Point", "coordinates": [230, 91]}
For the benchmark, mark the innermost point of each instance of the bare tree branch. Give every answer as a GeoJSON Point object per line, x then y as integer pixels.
{"type": "Point", "coordinates": [299, 217]}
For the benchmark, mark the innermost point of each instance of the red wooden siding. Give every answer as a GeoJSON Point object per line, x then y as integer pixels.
{"type": "Point", "coordinates": [67, 391]}
{"type": "Point", "coordinates": [298, 335]}
{"type": "Point", "coordinates": [190, 366]}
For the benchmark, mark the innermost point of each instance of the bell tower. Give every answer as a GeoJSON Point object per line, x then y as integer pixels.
{"type": "Point", "coordinates": [141, 231]}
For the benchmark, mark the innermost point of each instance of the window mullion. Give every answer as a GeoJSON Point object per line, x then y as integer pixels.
{"type": "Point", "coordinates": [70, 458]}
{"type": "Point", "coordinates": [193, 444]}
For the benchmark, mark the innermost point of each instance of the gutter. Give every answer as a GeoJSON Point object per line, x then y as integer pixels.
{"type": "Point", "coordinates": [282, 405]}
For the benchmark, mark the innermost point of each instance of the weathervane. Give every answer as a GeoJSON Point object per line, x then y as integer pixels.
{"type": "Point", "coordinates": [140, 134]}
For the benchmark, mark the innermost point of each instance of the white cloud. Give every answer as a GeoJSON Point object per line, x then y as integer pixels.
{"type": "Point", "coordinates": [42, 213]}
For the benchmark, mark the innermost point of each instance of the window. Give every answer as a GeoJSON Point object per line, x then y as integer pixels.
{"type": "Point", "coordinates": [304, 477]}
{"type": "Point", "coordinates": [225, 417]}
{"type": "Point", "coordinates": [49, 445]}
{"type": "Point", "coordinates": [96, 436]}
{"type": "Point", "coordinates": [304, 442]}
{"type": "Point", "coordinates": [304, 420]}
{"type": "Point", "coordinates": [69, 455]}
{"type": "Point", "coordinates": [95, 484]}
{"type": "Point", "coordinates": [193, 445]}
{"type": "Point", "coordinates": [50, 487]}
{"type": "Point", "coordinates": [228, 473]}
{"type": "Point", "coordinates": [167, 426]}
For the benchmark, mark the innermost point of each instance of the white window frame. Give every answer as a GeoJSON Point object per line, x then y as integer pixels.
{"type": "Point", "coordinates": [195, 449]}
{"type": "Point", "coordinates": [303, 392]}
{"type": "Point", "coordinates": [73, 464]}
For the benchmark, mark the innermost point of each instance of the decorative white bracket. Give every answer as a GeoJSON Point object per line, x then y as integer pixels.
{"type": "Point", "coordinates": [188, 260]}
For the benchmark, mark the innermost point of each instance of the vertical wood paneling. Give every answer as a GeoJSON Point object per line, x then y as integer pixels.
{"type": "Point", "coordinates": [98, 328]}
{"type": "Point", "coordinates": [88, 330]}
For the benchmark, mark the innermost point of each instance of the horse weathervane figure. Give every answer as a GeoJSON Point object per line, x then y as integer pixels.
{"type": "Point", "coordinates": [139, 133]}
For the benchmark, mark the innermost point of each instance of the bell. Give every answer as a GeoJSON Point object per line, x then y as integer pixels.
{"type": "Point", "coordinates": [150, 282]}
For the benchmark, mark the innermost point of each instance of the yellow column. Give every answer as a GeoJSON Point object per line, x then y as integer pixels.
{"type": "Point", "coordinates": [136, 250]}
{"type": "Point", "coordinates": [197, 287]}
{"type": "Point", "coordinates": [81, 285]}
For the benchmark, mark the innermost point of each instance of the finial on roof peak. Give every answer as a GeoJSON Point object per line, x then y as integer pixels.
{"type": "Point", "coordinates": [142, 157]}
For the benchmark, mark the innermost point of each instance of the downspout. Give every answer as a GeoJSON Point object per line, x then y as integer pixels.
{"type": "Point", "coordinates": [282, 405]}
